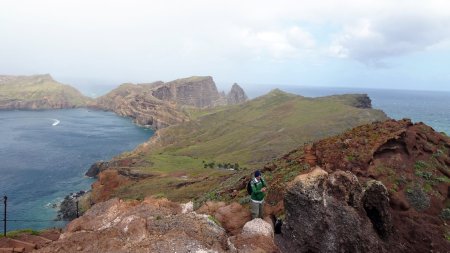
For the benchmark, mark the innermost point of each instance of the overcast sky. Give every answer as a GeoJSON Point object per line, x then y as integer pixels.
{"type": "Point", "coordinates": [403, 44]}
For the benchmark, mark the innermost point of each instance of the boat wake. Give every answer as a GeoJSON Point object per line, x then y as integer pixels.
{"type": "Point", "coordinates": [55, 122]}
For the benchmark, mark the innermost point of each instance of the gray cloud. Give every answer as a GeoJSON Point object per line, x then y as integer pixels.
{"type": "Point", "coordinates": [372, 41]}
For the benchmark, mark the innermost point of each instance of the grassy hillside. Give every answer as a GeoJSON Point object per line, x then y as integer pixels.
{"type": "Point", "coordinates": [244, 136]}
{"type": "Point", "coordinates": [40, 91]}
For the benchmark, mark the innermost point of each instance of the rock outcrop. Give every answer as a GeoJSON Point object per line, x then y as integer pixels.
{"type": "Point", "coordinates": [333, 213]}
{"type": "Point", "coordinates": [158, 105]}
{"type": "Point", "coordinates": [236, 95]}
{"type": "Point", "coordinates": [232, 216]}
{"type": "Point", "coordinates": [152, 225]}
{"type": "Point", "coordinates": [38, 92]}
{"type": "Point", "coordinates": [411, 161]}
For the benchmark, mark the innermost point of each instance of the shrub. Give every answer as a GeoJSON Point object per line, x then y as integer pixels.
{"type": "Point", "coordinates": [424, 174]}
{"type": "Point", "coordinates": [419, 165]}
{"type": "Point", "coordinates": [418, 198]}
{"type": "Point", "coordinates": [445, 214]}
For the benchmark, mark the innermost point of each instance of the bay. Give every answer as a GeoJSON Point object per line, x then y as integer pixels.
{"type": "Point", "coordinates": [44, 155]}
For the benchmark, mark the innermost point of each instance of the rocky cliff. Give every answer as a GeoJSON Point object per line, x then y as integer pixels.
{"type": "Point", "coordinates": [236, 95]}
{"type": "Point", "coordinates": [158, 105]}
{"type": "Point", "coordinates": [38, 92]}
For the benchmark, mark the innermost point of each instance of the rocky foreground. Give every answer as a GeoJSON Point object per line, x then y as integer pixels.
{"type": "Point", "coordinates": [158, 225]}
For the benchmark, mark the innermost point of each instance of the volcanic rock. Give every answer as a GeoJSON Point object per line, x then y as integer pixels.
{"type": "Point", "coordinates": [326, 213]}
{"type": "Point", "coordinates": [236, 95]}
{"type": "Point", "coordinates": [232, 217]}
{"type": "Point", "coordinates": [96, 168]}
{"type": "Point", "coordinates": [158, 105]}
{"type": "Point", "coordinates": [153, 225]}
{"type": "Point", "coordinates": [257, 227]}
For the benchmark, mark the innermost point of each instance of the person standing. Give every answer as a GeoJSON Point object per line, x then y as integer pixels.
{"type": "Point", "coordinates": [259, 188]}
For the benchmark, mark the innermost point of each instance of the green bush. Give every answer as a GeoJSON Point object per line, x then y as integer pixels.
{"type": "Point", "coordinates": [418, 198]}
{"type": "Point", "coordinates": [445, 214]}
{"type": "Point", "coordinates": [419, 165]}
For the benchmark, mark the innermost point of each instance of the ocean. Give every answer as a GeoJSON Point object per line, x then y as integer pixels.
{"type": "Point", "coordinates": [430, 107]}
{"type": "Point", "coordinates": [44, 155]}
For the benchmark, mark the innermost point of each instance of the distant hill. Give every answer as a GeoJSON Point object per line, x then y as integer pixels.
{"type": "Point", "coordinates": [158, 105]}
{"type": "Point", "coordinates": [241, 136]}
{"type": "Point", "coordinates": [38, 92]}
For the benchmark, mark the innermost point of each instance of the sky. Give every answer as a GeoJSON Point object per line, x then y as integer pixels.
{"type": "Point", "coordinates": [400, 44]}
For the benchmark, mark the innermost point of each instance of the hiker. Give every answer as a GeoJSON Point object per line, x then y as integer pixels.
{"type": "Point", "coordinates": [259, 187]}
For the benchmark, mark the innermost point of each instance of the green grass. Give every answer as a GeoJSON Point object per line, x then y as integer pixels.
{"type": "Point", "coordinates": [250, 134]}
{"type": "Point", "coordinates": [21, 231]}
{"type": "Point", "coordinates": [40, 87]}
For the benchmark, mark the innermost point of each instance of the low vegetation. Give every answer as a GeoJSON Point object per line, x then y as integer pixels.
{"type": "Point", "coordinates": [220, 145]}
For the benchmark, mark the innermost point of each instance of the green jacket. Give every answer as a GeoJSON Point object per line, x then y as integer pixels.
{"type": "Point", "coordinates": [257, 194]}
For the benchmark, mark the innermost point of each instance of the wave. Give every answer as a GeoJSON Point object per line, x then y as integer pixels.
{"type": "Point", "coordinates": [55, 122]}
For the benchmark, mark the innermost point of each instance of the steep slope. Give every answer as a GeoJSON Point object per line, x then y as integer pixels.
{"type": "Point", "coordinates": [158, 105]}
{"type": "Point", "coordinates": [412, 164]}
{"type": "Point", "coordinates": [178, 159]}
{"type": "Point", "coordinates": [236, 95]}
{"type": "Point", "coordinates": [38, 92]}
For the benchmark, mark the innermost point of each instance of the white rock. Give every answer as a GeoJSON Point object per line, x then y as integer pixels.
{"type": "Point", "coordinates": [258, 227]}
{"type": "Point", "coordinates": [188, 207]}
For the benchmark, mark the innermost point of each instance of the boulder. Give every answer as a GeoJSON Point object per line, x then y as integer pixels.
{"type": "Point", "coordinates": [258, 227]}
{"type": "Point", "coordinates": [332, 213]}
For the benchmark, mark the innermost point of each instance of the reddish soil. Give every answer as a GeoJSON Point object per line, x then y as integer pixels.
{"type": "Point", "coordinates": [411, 160]}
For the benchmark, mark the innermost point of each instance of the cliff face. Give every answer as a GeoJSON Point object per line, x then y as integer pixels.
{"type": "Point", "coordinates": [38, 92]}
{"type": "Point", "coordinates": [236, 95]}
{"type": "Point", "coordinates": [193, 91]}
{"type": "Point", "coordinates": [158, 105]}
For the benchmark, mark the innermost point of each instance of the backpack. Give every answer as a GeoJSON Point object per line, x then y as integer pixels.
{"type": "Point", "coordinates": [249, 187]}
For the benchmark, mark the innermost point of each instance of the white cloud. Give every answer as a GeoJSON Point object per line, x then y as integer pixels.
{"type": "Point", "coordinates": [373, 40]}
{"type": "Point", "coordinates": [147, 40]}
{"type": "Point", "coordinates": [278, 44]}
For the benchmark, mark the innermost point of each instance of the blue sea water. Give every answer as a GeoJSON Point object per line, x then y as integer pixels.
{"type": "Point", "coordinates": [430, 107]}
{"type": "Point", "coordinates": [44, 155]}
{"type": "Point", "coordinates": [40, 162]}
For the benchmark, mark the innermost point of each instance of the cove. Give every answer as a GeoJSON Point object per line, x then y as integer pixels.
{"type": "Point", "coordinates": [44, 155]}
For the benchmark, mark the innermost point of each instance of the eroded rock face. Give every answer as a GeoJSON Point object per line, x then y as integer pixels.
{"type": "Point", "coordinates": [332, 213]}
{"type": "Point", "coordinates": [158, 105]}
{"type": "Point", "coordinates": [237, 95]}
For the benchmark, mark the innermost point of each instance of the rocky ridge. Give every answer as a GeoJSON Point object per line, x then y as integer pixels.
{"type": "Point", "coordinates": [158, 105]}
